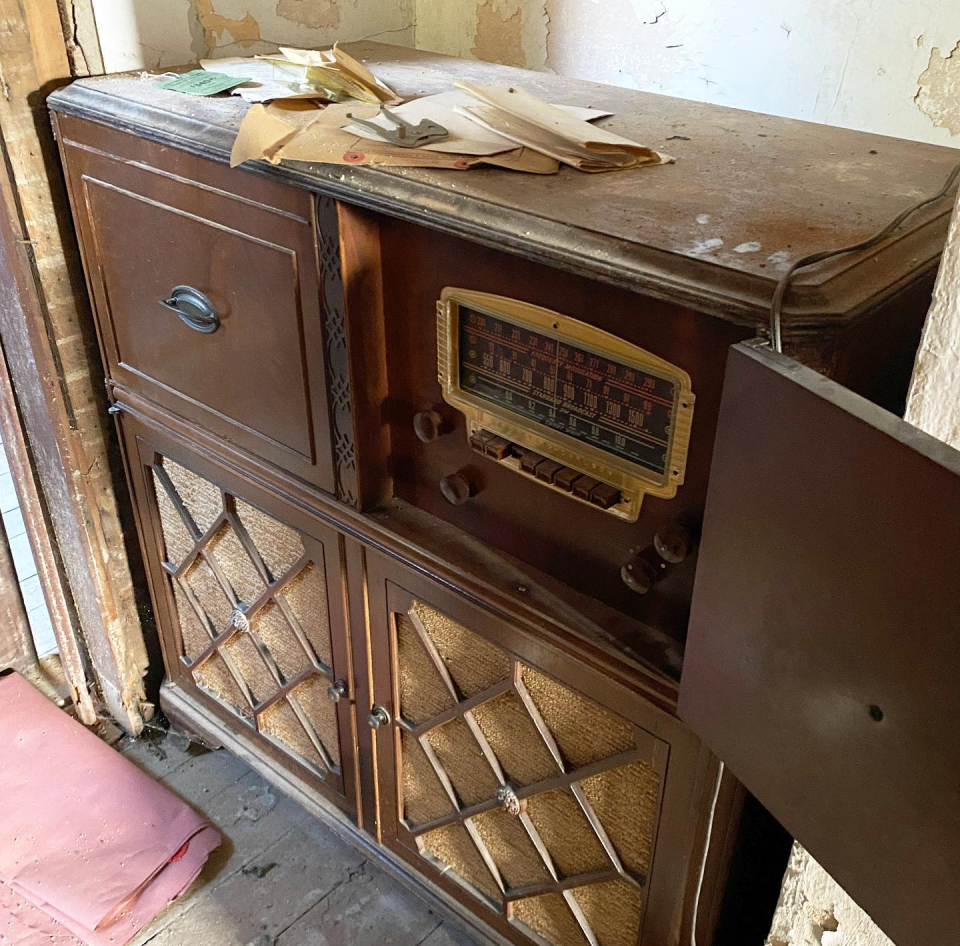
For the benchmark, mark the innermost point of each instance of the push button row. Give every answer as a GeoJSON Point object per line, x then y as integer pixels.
{"type": "Point", "coordinates": [547, 470]}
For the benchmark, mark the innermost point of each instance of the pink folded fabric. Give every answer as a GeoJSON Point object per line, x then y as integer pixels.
{"type": "Point", "coordinates": [91, 848]}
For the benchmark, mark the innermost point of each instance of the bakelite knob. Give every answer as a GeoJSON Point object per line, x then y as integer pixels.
{"type": "Point", "coordinates": [456, 489]}
{"type": "Point", "coordinates": [378, 718]}
{"type": "Point", "coordinates": [672, 544]}
{"type": "Point", "coordinates": [429, 425]}
{"type": "Point", "coordinates": [639, 574]}
{"type": "Point", "coordinates": [652, 564]}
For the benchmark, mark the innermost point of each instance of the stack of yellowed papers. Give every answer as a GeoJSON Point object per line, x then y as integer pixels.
{"type": "Point", "coordinates": [503, 127]}
{"type": "Point", "coordinates": [329, 75]}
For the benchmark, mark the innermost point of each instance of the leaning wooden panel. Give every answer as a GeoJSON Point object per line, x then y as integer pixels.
{"type": "Point", "coordinates": [824, 642]}
{"type": "Point", "coordinates": [561, 819]}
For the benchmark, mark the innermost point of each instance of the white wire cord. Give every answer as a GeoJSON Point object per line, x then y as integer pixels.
{"type": "Point", "coordinates": [706, 855]}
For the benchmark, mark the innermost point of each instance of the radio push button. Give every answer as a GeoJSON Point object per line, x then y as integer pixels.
{"type": "Point", "coordinates": [547, 470]}
{"type": "Point", "coordinates": [497, 447]}
{"type": "Point", "coordinates": [604, 496]}
{"type": "Point", "coordinates": [565, 479]}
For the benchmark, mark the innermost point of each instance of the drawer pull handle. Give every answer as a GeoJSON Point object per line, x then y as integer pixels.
{"type": "Point", "coordinates": [193, 308]}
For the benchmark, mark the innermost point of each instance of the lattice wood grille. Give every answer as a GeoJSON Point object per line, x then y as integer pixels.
{"type": "Point", "coordinates": [538, 800]}
{"type": "Point", "coordinates": [252, 607]}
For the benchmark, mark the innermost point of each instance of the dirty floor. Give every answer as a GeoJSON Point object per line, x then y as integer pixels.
{"type": "Point", "coordinates": [281, 878]}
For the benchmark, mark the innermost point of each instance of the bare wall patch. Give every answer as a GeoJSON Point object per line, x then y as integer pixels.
{"type": "Point", "coordinates": [315, 14]}
{"type": "Point", "coordinates": [939, 93]}
{"type": "Point", "coordinates": [244, 31]}
{"type": "Point", "coordinates": [499, 36]}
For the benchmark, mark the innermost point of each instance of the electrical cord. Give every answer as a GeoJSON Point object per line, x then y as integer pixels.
{"type": "Point", "coordinates": [776, 306]}
{"type": "Point", "coordinates": [706, 849]}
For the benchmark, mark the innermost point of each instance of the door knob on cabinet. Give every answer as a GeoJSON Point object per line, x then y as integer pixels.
{"type": "Point", "coordinates": [337, 691]}
{"type": "Point", "coordinates": [378, 718]}
{"type": "Point", "coordinates": [456, 489]}
{"type": "Point", "coordinates": [429, 425]}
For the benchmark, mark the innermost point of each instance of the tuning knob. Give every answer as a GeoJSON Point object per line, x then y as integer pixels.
{"type": "Point", "coordinates": [456, 489]}
{"type": "Point", "coordinates": [672, 544]}
{"type": "Point", "coordinates": [429, 425]}
{"type": "Point", "coordinates": [650, 565]}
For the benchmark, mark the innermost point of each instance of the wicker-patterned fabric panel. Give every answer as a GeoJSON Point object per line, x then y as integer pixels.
{"type": "Point", "coordinates": [627, 801]}
{"type": "Point", "coordinates": [274, 631]}
{"type": "Point", "coordinates": [512, 850]}
{"type": "Point", "coordinates": [463, 761]}
{"type": "Point", "coordinates": [176, 538]}
{"type": "Point", "coordinates": [209, 594]}
{"type": "Point", "coordinates": [322, 713]}
{"type": "Point", "coordinates": [613, 911]}
{"type": "Point", "coordinates": [307, 596]}
{"type": "Point", "coordinates": [550, 916]}
{"type": "Point", "coordinates": [514, 738]}
{"type": "Point", "coordinates": [280, 722]}
{"type": "Point", "coordinates": [423, 693]}
{"type": "Point", "coordinates": [249, 662]}
{"type": "Point", "coordinates": [236, 565]}
{"type": "Point", "coordinates": [201, 498]}
{"type": "Point", "coordinates": [453, 847]}
{"type": "Point", "coordinates": [474, 663]}
{"type": "Point", "coordinates": [584, 731]}
{"type": "Point", "coordinates": [424, 797]}
{"type": "Point", "coordinates": [566, 833]}
{"type": "Point", "coordinates": [195, 638]}
{"type": "Point", "coordinates": [279, 545]}
{"type": "Point", "coordinates": [214, 676]}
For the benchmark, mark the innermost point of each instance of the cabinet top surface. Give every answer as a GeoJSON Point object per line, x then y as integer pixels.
{"type": "Point", "coordinates": [749, 193]}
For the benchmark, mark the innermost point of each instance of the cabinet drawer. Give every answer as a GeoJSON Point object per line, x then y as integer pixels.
{"type": "Point", "coordinates": [561, 807]}
{"type": "Point", "coordinates": [249, 602]}
{"type": "Point", "coordinates": [246, 360]}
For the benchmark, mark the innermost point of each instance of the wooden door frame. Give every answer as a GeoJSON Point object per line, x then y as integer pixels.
{"type": "Point", "coordinates": [53, 385]}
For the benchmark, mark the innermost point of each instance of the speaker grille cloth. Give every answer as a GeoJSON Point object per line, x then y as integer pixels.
{"type": "Point", "coordinates": [252, 607]}
{"type": "Point", "coordinates": [571, 865]}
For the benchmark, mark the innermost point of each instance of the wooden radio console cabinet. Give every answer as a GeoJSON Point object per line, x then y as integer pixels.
{"type": "Point", "coordinates": [428, 620]}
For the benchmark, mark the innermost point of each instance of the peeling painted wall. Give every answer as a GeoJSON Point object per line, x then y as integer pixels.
{"type": "Point", "coordinates": [878, 65]}
{"type": "Point", "coordinates": [150, 34]}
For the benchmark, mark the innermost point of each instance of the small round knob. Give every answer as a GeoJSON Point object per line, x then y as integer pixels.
{"type": "Point", "coordinates": [672, 544]}
{"type": "Point", "coordinates": [378, 718]}
{"type": "Point", "coordinates": [639, 574]}
{"type": "Point", "coordinates": [337, 691]}
{"type": "Point", "coordinates": [428, 426]}
{"type": "Point", "coordinates": [456, 489]}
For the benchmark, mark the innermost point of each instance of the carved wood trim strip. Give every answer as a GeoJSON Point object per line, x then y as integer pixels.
{"type": "Point", "coordinates": [327, 229]}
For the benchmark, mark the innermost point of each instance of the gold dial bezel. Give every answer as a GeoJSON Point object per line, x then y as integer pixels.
{"type": "Point", "coordinates": [633, 480]}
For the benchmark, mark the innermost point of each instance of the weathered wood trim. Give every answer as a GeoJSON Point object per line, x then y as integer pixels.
{"type": "Point", "coordinates": [56, 592]}
{"type": "Point", "coordinates": [16, 641]}
{"type": "Point", "coordinates": [53, 361]}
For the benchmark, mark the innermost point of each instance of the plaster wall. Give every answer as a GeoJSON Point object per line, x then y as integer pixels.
{"type": "Point", "coordinates": [151, 34]}
{"type": "Point", "coordinates": [887, 66]}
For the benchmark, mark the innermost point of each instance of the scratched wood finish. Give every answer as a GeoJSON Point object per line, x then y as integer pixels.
{"type": "Point", "coordinates": [771, 189]}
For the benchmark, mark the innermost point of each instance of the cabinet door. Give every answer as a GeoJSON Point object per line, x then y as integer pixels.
{"type": "Point", "coordinates": [824, 645]}
{"type": "Point", "coordinates": [249, 602]}
{"type": "Point", "coordinates": [559, 806]}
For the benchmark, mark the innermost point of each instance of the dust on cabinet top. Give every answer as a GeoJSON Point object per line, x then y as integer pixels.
{"type": "Point", "coordinates": [748, 194]}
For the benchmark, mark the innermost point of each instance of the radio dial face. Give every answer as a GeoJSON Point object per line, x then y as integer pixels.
{"type": "Point", "coordinates": [578, 400]}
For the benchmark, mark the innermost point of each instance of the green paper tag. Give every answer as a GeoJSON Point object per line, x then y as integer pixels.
{"type": "Point", "coordinates": [202, 82]}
